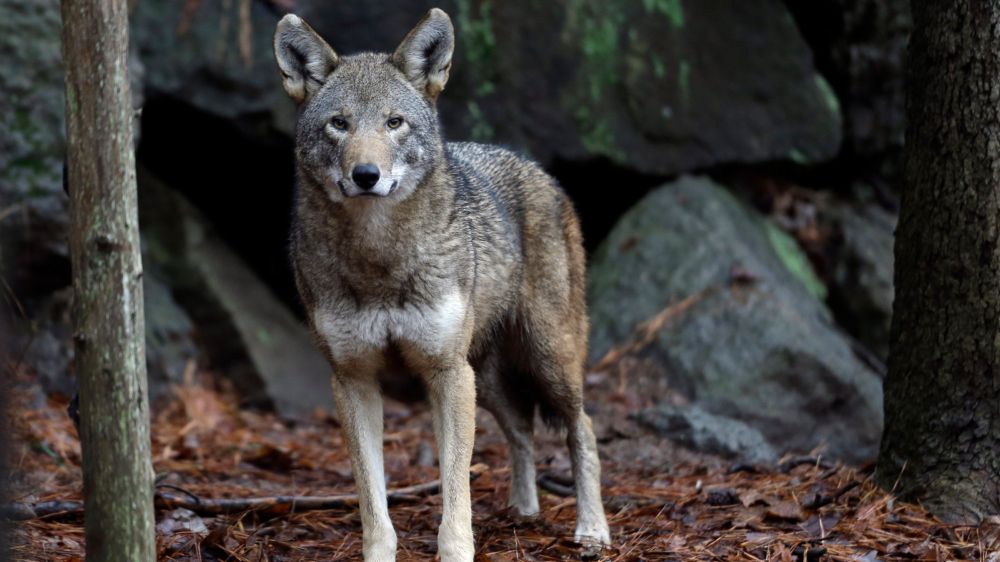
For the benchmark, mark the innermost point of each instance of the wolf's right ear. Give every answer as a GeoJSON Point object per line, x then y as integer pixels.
{"type": "Point", "coordinates": [305, 60]}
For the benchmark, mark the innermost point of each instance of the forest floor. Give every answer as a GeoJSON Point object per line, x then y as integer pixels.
{"type": "Point", "coordinates": [663, 503]}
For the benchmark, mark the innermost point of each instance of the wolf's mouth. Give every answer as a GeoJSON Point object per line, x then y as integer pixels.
{"type": "Point", "coordinates": [343, 189]}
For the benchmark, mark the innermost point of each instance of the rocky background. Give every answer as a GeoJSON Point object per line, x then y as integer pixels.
{"type": "Point", "coordinates": [733, 162]}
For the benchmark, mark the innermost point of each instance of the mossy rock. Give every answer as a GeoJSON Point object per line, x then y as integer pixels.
{"type": "Point", "coordinates": [32, 144]}
{"type": "Point", "coordinates": [752, 341]}
{"type": "Point", "coordinates": [658, 86]}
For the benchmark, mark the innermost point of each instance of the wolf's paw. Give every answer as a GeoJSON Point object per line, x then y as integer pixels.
{"type": "Point", "coordinates": [456, 552]}
{"type": "Point", "coordinates": [596, 534]}
{"type": "Point", "coordinates": [380, 551]}
{"type": "Point", "coordinates": [592, 542]}
{"type": "Point", "coordinates": [523, 510]}
{"type": "Point", "coordinates": [456, 545]}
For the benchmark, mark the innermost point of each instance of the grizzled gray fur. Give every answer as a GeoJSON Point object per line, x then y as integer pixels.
{"type": "Point", "coordinates": [459, 265]}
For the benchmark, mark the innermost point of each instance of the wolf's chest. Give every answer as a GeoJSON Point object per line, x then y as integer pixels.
{"type": "Point", "coordinates": [351, 331]}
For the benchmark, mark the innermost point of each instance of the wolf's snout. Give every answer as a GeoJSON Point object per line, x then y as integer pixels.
{"type": "Point", "coordinates": [365, 176]}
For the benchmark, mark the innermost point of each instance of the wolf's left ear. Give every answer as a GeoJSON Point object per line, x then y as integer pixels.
{"type": "Point", "coordinates": [424, 56]}
{"type": "Point", "coordinates": [304, 58]}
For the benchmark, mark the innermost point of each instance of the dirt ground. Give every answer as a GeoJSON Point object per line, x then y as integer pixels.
{"type": "Point", "coordinates": [663, 502]}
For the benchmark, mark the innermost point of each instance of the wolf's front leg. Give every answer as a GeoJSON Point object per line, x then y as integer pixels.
{"type": "Point", "coordinates": [452, 394]}
{"type": "Point", "coordinates": [359, 408]}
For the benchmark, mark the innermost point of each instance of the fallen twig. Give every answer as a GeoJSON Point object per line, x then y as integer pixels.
{"type": "Point", "coordinates": [272, 505]}
{"type": "Point", "coordinates": [646, 332]}
{"type": "Point", "coordinates": [40, 510]}
{"type": "Point", "coordinates": [556, 485]}
{"type": "Point", "coordinates": [787, 466]}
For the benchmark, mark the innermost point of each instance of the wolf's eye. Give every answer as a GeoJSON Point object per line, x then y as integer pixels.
{"type": "Point", "coordinates": [339, 123]}
{"type": "Point", "coordinates": [394, 122]}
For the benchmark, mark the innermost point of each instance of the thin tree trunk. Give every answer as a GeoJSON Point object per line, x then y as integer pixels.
{"type": "Point", "coordinates": [942, 394]}
{"type": "Point", "coordinates": [107, 284]}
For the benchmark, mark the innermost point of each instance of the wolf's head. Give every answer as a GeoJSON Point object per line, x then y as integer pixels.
{"type": "Point", "coordinates": [367, 123]}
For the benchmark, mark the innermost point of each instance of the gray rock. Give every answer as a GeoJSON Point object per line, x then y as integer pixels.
{"type": "Point", "coordinates": [170, 342]}
{"type": "Point", "coordinates": [33, 205]}
{"type": "Point", "coordinates": [698, 429]}
{"type": "Point", "coordinates": [861, 288]}
{"type": "Point", "coordinates": [684, 85]}
{"type": "Point", "coordinates": [215, 55]}
{"type": "Point", "coordinates": [48, 345]}
{"type": "Point", "coordinates": [250, 336]}
{"type": "Point", "coordinates": [170, 336]}
{"type": "Point", "coordinates": [659, 87]}
{"type": "Point", "coordinates": [860, 46]}
{"type": "Point", "coordinates": [746, 337]}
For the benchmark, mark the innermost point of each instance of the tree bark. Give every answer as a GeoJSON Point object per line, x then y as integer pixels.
{"type": "Point", "coordinates": [107, 284]}
{"type": "Point", "coordinates": [942, 394]}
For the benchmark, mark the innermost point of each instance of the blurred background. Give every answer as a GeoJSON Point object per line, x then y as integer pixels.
{"type": "Point", "coordinates": [733, 163]}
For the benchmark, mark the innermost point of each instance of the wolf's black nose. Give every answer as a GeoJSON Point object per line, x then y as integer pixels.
{"type": "Point", "coordinates": [365, 176]}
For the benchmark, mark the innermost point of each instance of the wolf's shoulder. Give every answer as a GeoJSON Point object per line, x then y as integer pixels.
{"type": "Point", "coordinates": [492, 161]}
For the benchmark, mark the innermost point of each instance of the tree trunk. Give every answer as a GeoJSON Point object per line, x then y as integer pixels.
{"type": "Point", "coordinates": [942, 394]}
{"type": "Point", "coordinates": [107, 284]}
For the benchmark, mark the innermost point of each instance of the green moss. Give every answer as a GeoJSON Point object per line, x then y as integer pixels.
{"type": "Point", "coordinates": [600, 139]}
{"type": "Point", "coordinates": [481, 130]}
{"type": "Point", "coordinates": [596, 27]}
{"type": "Point", "coordinates": [672, 9]}
{"type": "Point", "coordinates": [797, 156]}
{"type": "Point", "coordinates": [31, 164]}
{"type": "Point", "coordinates": [684, 81]}
{"type": "Point", "coordinates": [263, 336]}
{"type": "Point", "coordinates": [478, 43]}
{"type": "Point", "coordinates": [794, 260]}
{"type": "Point", "coordinates": [828, 95]}
{"type": "Point", "coordinates": [659, 67]}
{"type": "Point", "coordinates": [600, 50]}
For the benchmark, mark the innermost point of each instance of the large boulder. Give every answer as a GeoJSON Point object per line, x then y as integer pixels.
{"type": "Point", "coordinates": [861, 263]}
{"type": "Point", "coordinates": [170, 340]}
{"type": "Point", "coordinates": [33, 206]}
{"type": "Point", "coordinates": [216, 56]}
{"type": "Point", "coordinates": [659, 87]}
{"type": "Point", "coordinates": [667, 86]}
{"type": "Point", "coordinates": [170, 335]}
{"type": "Point", "coordinates": [694, 427]}
{"type": "Point", "coordinates": [860, 46]}
{"type": "Point", "coordinates": [248, 335]}
{"type": "Point", "coordinates": [734, 322]}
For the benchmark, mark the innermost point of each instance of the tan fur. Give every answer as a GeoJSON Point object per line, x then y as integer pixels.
{"type": "Point", "coordinates": [367, 149]}
{"type": "Point", "coordinates": [463, 266]}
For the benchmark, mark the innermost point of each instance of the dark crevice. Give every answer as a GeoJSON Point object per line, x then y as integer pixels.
{"type": "Point", "coordinates": [602, 192]}
{"type": "Point", "coordinates": [239, 174]}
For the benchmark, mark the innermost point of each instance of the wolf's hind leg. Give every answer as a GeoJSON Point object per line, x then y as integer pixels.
{"type": "Point", "coordinates": [359, 409]}
{"type": "Point", "coordinates": [591, 525]}
{"type": "Point", "coordinates": [516, 419]}
{"type": "Point", "coordinates": [556, 363]}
